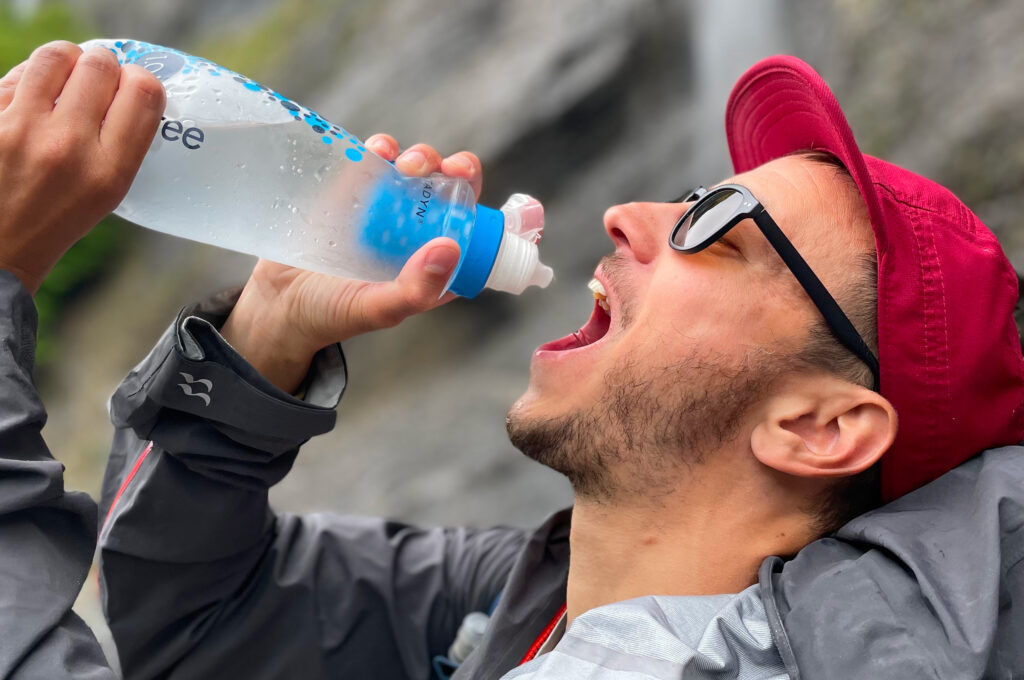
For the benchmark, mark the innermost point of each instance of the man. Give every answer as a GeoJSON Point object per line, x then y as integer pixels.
{"type": "Point", "coordinates": [716, 417]}
{"type": "Point", "coordinates": [723, 411]}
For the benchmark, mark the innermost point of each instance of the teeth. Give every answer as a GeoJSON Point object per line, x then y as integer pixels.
{"type": "Point", "coordinates": [600, 295]}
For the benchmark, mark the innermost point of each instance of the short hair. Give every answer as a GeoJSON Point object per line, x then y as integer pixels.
{"type": "Point", "coordinates": [850, 496]}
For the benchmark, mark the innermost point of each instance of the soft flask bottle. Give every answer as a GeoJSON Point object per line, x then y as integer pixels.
{"type": "Point", "coordinates": [239, 166]}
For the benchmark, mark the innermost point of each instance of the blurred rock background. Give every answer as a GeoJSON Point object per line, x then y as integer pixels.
{"type": "Point", "coordinates": [582, 103]}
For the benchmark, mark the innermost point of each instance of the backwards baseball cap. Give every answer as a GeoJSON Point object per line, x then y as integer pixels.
{"type": "Point", "coordinates": [948, 346]}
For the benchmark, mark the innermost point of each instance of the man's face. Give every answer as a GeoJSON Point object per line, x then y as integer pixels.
{"type": "Point", "coordinates": [692, 341]}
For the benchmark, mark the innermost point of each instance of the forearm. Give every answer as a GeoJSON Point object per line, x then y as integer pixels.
{"type": "Point", "coordinates": [201, 436]}
{"type": "Point", "coordinates": [200, 577]}
{"type": "Point", "coordinates": [270, 344]}
{"type": "Point", "coordinates": [47, 535]}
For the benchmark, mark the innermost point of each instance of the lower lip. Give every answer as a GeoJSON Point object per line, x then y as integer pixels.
{"type": "Point", "coordinates": [573, 345]}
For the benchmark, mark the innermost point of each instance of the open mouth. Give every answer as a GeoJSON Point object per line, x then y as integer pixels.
{"type": "Point", "coordinates": [593, 331]}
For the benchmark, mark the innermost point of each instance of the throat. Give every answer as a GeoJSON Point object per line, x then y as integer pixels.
{"type": "Point", "coordinates": [621, 554]}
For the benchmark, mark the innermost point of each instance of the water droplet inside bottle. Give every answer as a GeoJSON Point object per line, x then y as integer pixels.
{"type": "Point", "coordinates": [289, 233]}
{"type": "Point", "coordinates": [332, 243]}
{"type": "Point", "coordinates": [321, 172]}
{"type": "Point", "coordinates": [295, 210]}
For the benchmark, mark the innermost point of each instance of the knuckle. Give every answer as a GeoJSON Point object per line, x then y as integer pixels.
{"type": "Point", "coordinates": [388, 318]}
{"type": "Point", "coordinates": [108, 184]}
{"type": "Point", "coordinates": [147, 88]}
{"type": "Point", "coordinates": [56, 53]}
{"type": "Point", "coordinates": [52, 155]}
{"type": "Point", "coordinates": [100, 60]}
{"type": "Point", "coordinates": [418, 300]}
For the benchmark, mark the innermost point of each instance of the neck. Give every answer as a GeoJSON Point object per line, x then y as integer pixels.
{"type": "Point", "coordinates": [680, 546]}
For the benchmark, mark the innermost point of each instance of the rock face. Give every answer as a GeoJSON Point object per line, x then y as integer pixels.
{"type": "Point", "coordinates": [583, 103]}
{"type": "Point", "coordinates": [935, 87]}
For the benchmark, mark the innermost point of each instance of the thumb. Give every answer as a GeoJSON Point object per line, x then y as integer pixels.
{"type": "Point", "coordinates": [417, 287]}
{"type": "Point", "coordinates": [425, 275]}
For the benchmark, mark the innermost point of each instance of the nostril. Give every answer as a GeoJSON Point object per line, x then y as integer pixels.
{"type": "Point", "coordinates": [618, 237]}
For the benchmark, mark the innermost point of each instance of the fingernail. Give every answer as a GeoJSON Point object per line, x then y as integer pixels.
{"type": "Point", "coordinates": [463, 163]}
{"type": "Point", "coordinates": [441, 261]}
{"type": "Point", "coordinates": [414, 160]}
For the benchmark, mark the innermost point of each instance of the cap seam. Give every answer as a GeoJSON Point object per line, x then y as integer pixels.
{"type": "Point", "coordinates": [936, 331]}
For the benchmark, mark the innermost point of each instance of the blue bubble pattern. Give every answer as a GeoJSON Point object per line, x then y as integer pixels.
{"type": "Point", "coordinates": [131, 51]}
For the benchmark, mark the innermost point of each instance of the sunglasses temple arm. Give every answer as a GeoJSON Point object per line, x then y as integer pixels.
{"type": "Point", "coordinates": [837, 321]}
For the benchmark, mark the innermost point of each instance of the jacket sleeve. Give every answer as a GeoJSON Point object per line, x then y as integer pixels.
{"type": "Point", "coordinates": [47, 535]}
{"type": "Point", "coordinates": [201, 579]}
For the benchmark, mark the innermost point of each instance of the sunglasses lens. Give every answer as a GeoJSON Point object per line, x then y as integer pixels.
{"type": "Point", "coordinates": [707, 218]}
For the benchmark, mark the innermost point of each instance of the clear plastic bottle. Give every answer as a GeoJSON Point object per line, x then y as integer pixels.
{"type": "Point", "coordinates": [237, 165]}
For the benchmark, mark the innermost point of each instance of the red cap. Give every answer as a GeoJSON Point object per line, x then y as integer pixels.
{"type": "Point", "coordinates": [948, 346]}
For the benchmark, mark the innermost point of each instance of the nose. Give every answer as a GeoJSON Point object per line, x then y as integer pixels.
{"type": "Point", "coordinates": [642, 228]}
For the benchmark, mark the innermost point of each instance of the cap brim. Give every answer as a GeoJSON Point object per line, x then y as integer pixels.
{"type": "Point", "coordinates": [780, 106]}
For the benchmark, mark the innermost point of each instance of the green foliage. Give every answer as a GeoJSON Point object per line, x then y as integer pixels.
{"type": "Point", "coordinates": [91, 256]}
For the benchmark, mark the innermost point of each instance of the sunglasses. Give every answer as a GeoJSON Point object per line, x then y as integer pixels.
{"type": "Point", "coordinates": [715, 212]}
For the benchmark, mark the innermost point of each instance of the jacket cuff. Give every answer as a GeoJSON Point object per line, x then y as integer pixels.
{"type": "Point", "coordinates": [193, 370]}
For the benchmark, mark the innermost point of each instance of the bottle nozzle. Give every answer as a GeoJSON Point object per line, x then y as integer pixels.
{"type": "Point", "coordinates": [518, 266]}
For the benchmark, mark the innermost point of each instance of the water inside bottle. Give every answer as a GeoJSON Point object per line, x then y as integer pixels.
{"type": "Point", "coordinates": [243, 184]}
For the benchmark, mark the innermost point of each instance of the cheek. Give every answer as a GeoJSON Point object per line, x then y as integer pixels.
{"type": "Point", "coordinates": [723, 312]}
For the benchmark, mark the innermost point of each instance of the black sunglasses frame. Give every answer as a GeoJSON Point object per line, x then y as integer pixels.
{"type": "Point", "coordinates": [750, 208]}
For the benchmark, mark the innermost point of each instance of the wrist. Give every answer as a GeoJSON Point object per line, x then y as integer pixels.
{"type": "Point", "coordinates": [29, 280]}
{"type": "Point", "coordinates": [270, 343]}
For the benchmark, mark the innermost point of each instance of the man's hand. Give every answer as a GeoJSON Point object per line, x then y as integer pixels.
{"type": "Point", "coordinates": [74, 129]}
{"type": "Point", "coordinates": [285, 315]}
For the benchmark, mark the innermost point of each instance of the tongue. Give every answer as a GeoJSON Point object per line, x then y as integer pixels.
{"type": "Point", "coordinates": [593, 331]}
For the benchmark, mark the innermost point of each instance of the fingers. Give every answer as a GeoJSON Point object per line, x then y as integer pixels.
{"type": "Point", "coordinates": [90, 89]}
{"type": "Point", "coordinates": [466, 165]}
{"type": "Point", "coordinates": [133, 116]}
{"type": "Point", "coordinates": [419, 160]}
{"type": "Point", "coordinates": [9, 82]}
{"type": "Point", "coordinates": [384, 146]}
{"type": "Point", "coordinates": [45, 75]}
{"type": "Point", "coordinates": [422, 159]}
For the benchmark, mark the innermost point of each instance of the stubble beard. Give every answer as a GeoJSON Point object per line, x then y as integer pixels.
{"type": "Point", "coordinates": [650, 426]}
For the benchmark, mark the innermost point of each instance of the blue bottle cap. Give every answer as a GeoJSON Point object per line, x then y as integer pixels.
{"type": "Point", "coordinates": [481, 252]}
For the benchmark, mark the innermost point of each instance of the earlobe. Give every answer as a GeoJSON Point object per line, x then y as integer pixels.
{"type": "Point", "coordinates": [825, 433]}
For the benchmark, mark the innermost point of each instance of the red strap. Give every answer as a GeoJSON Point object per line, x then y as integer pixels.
{"type": "Point", "coordinates": [127, 481]}
{"type": "Point", "coordinates": [543, 637]}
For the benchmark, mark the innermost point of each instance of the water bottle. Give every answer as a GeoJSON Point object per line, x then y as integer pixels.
{"type": "Point", "coordinates": [237, 165]}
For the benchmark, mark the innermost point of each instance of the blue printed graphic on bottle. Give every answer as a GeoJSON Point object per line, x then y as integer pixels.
{"type": "Point", "coordinates": [165, 62]}
{"type": "Point", "coordinates": [414, 211]}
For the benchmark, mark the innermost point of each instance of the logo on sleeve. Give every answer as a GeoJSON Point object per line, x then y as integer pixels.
{"type": "Point", "coordinates": [187, 386]}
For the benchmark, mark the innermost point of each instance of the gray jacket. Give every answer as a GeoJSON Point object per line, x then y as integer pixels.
{"type": "Point", "coordinates": [202, 580]}
{"type": "Point", "coordinates": [47, 535]}
{"type": "Point", "coordinates": [199, 573]}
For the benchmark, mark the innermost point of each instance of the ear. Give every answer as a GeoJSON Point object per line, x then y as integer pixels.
{"type": "Point", "coordinates": [821, 426]}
